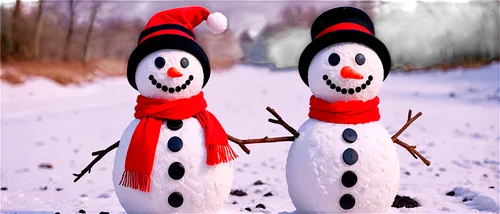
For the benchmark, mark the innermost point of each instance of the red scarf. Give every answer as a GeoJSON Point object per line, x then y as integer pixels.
{"type": "Point", "coordinates": [350, 112]}
{"type": "Point", "coordinates": [152, 112]}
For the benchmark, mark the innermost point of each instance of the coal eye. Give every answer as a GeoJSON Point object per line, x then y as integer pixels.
{"type": "Point", "coordinates": [360, 59]}
{"type": "Point", "coordinates": [184, 62]}
{"type": "Point", "coordinates": [159, 62]}
{"type": "Point", "coordinates": [334, 59]}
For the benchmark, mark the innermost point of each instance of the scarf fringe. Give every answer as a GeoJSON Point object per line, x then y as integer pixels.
{"type": "Point", "coordinates": [135, 180]}
{"type": "Point", "coordinates": [219, 154]}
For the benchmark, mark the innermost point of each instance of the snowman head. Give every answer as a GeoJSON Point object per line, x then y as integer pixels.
{"type": "Point", "coordinates": [169, 74]}
{"type": "Point", "coordinates": [344, 61]}
{"type": "Point", "coordinates": [346, 71]}
{"type": "Point", "coordinates": [168, 63]}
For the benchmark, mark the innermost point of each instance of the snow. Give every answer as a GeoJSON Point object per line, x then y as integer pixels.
{"type": "Point", "coordinates": [43, 122]}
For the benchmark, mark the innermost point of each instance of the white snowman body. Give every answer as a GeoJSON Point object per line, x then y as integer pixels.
{"type": "Point", "coordinates": [181, 181]}
{"type": "Point", "coordinates": [202, 188]}
{"type": "Point", "coordinates": [318, 175]}
{"type": "Point", "coordinates": [351, 168]}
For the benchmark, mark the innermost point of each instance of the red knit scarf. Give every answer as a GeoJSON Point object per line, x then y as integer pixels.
{"type": "Point", "coordinates": [152, 112]}
{"type": "Point", "coordinates": [350, 112]}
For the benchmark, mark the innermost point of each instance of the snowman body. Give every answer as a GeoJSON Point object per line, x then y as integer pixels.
{"type": "Point", "coordinates": [334, 168]}
{"type": "Point", "coordinates": [350, 164]}
{"type": "Point", "coordinates": [181, 181]}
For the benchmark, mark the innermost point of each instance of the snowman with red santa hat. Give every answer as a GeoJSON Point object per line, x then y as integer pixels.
{"type": "Point", "coordinates": [174, 157]}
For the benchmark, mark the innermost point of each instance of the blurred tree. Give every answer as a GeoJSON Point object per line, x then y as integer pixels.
{"type": "Point", "coordinates": [5, 31]}
{"type": "Point", "coordinates": [72, 6]}
{"type": "Point", "coordinates": [115, 38]}
{"type": "Point", "coordinates": [220, 58]}
{"type": "Point", "coordinates": [13, 39]}
{"type": "Point", "coordinates": [86, 50]}
{"type": "Point", "coordinates": [440, 36]}
{"type": "Point", "coordinates": [282, 39]}
{"type": "Point", "coordinates": [38, 33]}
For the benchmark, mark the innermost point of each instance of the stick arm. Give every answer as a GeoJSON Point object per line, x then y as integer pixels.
{"type": "Point", "coordinates": [411, 149]}
{"type": "Point", "coordinates": [99, 155]}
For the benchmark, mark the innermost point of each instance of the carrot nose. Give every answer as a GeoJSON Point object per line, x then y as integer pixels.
{"type": "Point", "coordinates": [349, 73]}
{"type": "Point", "coordinates": [173, 73]}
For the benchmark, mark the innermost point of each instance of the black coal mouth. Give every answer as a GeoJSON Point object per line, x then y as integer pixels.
{"type": "Point", "coordinates": [170, 89]}
{"type": "Point", "coordinates": [347, 90]}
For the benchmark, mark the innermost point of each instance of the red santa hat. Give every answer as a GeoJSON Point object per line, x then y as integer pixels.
{"type": "Point", "coordinates": [174, 29]}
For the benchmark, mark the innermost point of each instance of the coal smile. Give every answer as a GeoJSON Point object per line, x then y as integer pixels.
{"type": "Point", "coordinates": [170, 89]}
{"type": "Point", "coordinates": [347, 90]}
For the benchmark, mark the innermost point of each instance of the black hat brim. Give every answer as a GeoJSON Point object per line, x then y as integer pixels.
{"type": "Point", "coordinates": [339, 37]}
{"type": "Point", "coordinates": [167, 41]}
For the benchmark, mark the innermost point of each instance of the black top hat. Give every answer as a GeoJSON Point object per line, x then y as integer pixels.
{"type": "Point", "coordinates": [342, 24]}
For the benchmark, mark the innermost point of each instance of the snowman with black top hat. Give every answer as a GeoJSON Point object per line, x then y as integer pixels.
{"type": "Point", "coordinates": [342, 158]}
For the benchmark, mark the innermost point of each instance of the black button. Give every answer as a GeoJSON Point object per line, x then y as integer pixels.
{"type": "Point", "coordinates": [174, 125]}
{"type": "Point", "coordinates": [349, 135]}
{"type": "Point", "coordinates": [344, 91]}
{"type": "Point", "coordinates": [175, 144]}
{"type": "Point", "coordinates": [347, 201]}
{"type": "Point", "coordinates": [176, 170]}
{"type": "Point", "coordinates": [349, 179]}
{"type": "Point", "coordinates": [175, 199]}
{"type": "Point", "coordinates": [350, 156]}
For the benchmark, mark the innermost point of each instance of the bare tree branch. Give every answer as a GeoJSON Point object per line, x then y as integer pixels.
{"type": "Point", "coordinates": [69, 35]}
{"type": "Point", "coordinates": [86, 50]}
{"type": "Point", "coordinates": [38, 33]}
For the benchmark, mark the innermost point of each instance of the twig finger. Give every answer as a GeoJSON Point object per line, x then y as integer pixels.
{"type": "Point", "coordinates": [412, 154]}
{"type": "Point", "coordinates": [244, 148]}
{"type": "Point", "coordinates": [273, 121]}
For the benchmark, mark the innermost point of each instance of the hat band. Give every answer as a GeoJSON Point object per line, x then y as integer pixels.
{"type": "Point", "coordinates": [147, 32]}
{"type": "Point", "coordinates": [344, 26]}
{"type": "Point", "coordinates": [167, 32]}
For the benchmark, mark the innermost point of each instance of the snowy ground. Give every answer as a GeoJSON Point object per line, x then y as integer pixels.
{"type": "Point", "coordinates": [46, 123]}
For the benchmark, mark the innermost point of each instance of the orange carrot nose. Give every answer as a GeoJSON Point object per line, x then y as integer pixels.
{"type": "Point", "coordinates": [349, 73]}
{"type": "Point", "coordinates": [173, 73]}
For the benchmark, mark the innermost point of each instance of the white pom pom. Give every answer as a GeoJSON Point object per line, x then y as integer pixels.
{"type": "Point", "coordinates": [217, 23]}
